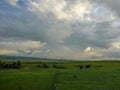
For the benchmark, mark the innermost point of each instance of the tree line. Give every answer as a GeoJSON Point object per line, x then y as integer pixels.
{"type": "Point", "coordinates": [15, 65]}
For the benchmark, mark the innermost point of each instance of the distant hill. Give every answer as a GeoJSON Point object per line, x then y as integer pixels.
{"type": "Point", "coordinates": [4, 57]}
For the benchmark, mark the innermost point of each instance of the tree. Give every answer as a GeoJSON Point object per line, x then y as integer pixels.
{"type": "Point", "coordinates": [14, 65]}
{"type": "Point", "coordinates": [44, 65]}
{"type": "Point", "coordinates": [88, 66]}
{"type": "Point", "coordinates": [18, 64]}
{"type": "Point", "coordinates": [54, 66]}
{"type": "Point", "coordinates": [0, 64]}
{"type": "Point", "coordinates": [81, 67]}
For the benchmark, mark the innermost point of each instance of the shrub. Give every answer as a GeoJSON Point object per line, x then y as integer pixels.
{"type": "Point", "coordinates": [44, 65]}
{"type": "Point", "coordinates": [74, 76]}
{"type": "Point", "coordinates": [18, 64]}
{"type": "Point", "coordinates": [88, 66]}
{"type": "Point", "coordinates": [81, 66]}
{"type": "Point", "coordinates": [0, 64]}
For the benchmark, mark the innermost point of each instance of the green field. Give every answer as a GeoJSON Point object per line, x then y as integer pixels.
{"type": "Point", "coordinates": [103, 75]}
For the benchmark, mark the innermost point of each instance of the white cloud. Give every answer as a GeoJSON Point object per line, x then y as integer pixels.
{"type": "Point", "coordinates": [88, 49]}
{"type": "Point", "coordinates": [13, 3]}
{"type": "Point", "coordinates": [116, 44]}
{"type": "Point", "coordinates": [80, 10]}
{"type": "Point", "coordinates": [61, 9]}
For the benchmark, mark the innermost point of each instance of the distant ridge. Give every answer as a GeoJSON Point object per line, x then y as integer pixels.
{"type": "Point", "coordinates": [5, 57]}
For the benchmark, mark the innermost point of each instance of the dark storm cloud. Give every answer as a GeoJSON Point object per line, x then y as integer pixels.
{"type": "Point", "coordinates": [113, 4]}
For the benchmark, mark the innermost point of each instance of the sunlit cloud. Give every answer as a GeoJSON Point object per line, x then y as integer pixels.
{"type": "Point", "coordinates": [13, 3]}
{"type": "Point", "coordinates": [116, 44]}
{"type": "Point", "coordinates": [88, 49]}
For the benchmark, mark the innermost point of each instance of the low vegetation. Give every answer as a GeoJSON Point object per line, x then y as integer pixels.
{"type": "Point", "coordinates": [68, 75]}
{"type": "Point", "coordinates": [10, 65]}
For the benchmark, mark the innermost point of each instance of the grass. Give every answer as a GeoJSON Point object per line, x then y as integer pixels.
{"type": "Point", "coordinates": [26, 79]}
{"type": "Point", "coordinates": [89, 80]}
{"type": "Point", "coordinates": [104, 75]}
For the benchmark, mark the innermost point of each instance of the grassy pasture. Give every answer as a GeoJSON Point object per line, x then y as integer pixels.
{"type": "Point", "coordinates": [26, 79]}
{"type": "Point", "coordinates": [104, 75]}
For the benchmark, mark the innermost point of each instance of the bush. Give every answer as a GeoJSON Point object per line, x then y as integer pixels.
{"type": "Point", "coordinates": [0, 64]}
{"type": "Point", "coordinates": [54, 66]}
{"type": "Point", "coordinates": [44, 65]}
{"type": "Point", "coordinates": [39, 66]}
{"type": "Point", "coordinates": [18, 64]}
{"type": "Point", "coordinates": [88, 66]}
{"type": "Point", "coordinates": [58, 67]}
{"type": "Point", "coordinates": [74, 76]}
{"type": "Point", "coordinates": [81, 66]}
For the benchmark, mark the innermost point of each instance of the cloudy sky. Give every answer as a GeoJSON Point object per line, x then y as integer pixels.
{"type": "Point", "coordinates": [62, 29]}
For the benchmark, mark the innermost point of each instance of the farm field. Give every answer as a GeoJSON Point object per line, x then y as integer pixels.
{"type": "Point", "coordinates": [102, 75]}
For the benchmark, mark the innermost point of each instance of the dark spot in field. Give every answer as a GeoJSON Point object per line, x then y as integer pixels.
{"type": "Point", "coordinates": [81, 67]}
{"type": "Point", "coordinates": [74, 76]}
{"type": "Point", "coordinates": [114, 76]}
{"type": "Point", "coordinates": [88, 66]}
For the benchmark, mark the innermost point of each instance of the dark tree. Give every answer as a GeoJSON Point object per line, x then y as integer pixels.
{"type": "Point", "coordinates": [39, 66]}
{"type": "Point", "coordinates": [54, 66]}
{"type": "Point", "coordinates": [81, 67]}
{"type": "Point", "coordinates": [0, 64]}
{"type": "Point", "coordinates": [44, 65]}
{"type": "Point", "coordinates": [18, 64]}
{"type": "Point", "coordinates": [3, 65]}
{"type": "Point", "coordinates": [14, 65]}
{"type": "Point", "coordinates": [88, 66]}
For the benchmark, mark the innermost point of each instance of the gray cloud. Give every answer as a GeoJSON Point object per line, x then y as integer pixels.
{"type": "Point", "coordinates": [113, 4]}
{"type": "Point", "coordinates": [67, 27]}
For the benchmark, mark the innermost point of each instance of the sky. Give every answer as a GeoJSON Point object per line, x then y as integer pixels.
{"type": "Point", "coordinates": [61, 29]}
